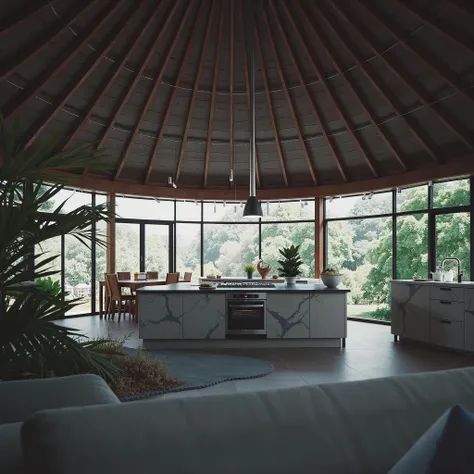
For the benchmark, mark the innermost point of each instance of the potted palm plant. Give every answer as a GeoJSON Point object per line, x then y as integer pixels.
{"type": "Point", "coordinates": [290, 264]}
{"type": "Point", "coordinates": [249, 269]}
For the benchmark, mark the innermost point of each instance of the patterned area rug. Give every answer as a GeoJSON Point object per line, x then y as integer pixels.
{"type": "Point", "coordinates": [203, 370]}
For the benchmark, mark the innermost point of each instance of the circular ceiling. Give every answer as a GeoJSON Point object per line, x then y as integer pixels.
{"type": "Point", "coordinates": [351, 95]}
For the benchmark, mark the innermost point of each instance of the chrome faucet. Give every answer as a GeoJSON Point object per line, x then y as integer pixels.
{"type": "Point", "coordinates": [459, 266]}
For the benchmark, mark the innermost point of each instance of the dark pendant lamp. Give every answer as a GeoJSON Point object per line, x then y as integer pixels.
{"type": "Point", "coordinates": [252, 207]}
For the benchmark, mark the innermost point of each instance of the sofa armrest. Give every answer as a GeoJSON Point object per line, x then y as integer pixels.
{"type": "Point", "coordinates": [22, 398]}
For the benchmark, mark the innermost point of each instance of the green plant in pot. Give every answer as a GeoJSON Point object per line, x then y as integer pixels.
{"type": "Point", "coordinates": [250, 270]}
{"type": "Point", "coordinates": [290, 263]}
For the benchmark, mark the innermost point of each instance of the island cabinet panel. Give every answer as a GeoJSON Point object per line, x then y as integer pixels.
{"type": "Point", "coordinates": [160, 316]}
{"type": "Point", "coordinates": [203, 316]}
{"type": "Point", "coordinates": [328, 316]}
{"type": "Point", "coordinates": [469, 319]}
{"type": "Point", "coordinates": [288, 315]}
{"type": "Point", "coordinates": [411, 311]}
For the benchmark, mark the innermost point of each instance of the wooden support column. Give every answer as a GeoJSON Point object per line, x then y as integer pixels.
{"type": "Point", "coordinates": [110, 236]}
{"type": "Point", "coordinates": [318, 236]}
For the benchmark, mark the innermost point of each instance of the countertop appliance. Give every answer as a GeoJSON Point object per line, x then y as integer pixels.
{"type": "Point", "coordinates": [246, 284]}
{"type": "Point", "coordinates": [246, 315]}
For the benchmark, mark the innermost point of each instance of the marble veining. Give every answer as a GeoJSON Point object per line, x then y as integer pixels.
{"type": "Point", "coordinates": [169, 315]}
{"type": "Point", "coordinates": [402, 305]}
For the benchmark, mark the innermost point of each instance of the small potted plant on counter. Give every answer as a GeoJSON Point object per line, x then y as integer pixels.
{"type": "Point", "coordinates": [331, 277]}
{"type": "Point", "coordinates": [249, 269]}
{"type": "Point", "coordinates": [291, 263]}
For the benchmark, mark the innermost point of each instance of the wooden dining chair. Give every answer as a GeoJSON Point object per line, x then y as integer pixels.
{"type": "Point", "coordinates": [187, 276]}
{"type": "Point", "coordinates": [117, 301]}
{"type": "Point", "coordinates": [152, 275]}
{"type": "Point", "coordinates": [172, 278]}
{"type": "Point", "coordinates": [124, 275]}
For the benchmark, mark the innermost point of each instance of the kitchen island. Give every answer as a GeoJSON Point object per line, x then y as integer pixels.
{"type": "Point", "coordinates": [184, 316]}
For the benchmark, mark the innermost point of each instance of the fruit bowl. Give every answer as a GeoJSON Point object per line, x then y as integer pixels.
{"type": "Point", "coordinates": [331, 281]}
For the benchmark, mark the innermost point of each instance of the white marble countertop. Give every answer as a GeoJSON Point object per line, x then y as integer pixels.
{"type": "Point", "coordinates": [464, 284]}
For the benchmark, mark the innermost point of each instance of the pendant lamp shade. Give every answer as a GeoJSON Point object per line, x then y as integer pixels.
{"type": "Point", "coordinates": [253, 208]}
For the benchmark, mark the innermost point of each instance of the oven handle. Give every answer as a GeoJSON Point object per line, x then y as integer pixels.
{"type": "Point", "coordinates": [247, 306]}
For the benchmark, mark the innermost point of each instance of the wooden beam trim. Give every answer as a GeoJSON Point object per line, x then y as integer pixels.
{"type": "Point", "coordinates": [318, 236]}
{"type": "Point", "coordinates": [213, 98]}
{"type": "Point", "coordinates": [22, 15]}
{"type": "Point", "coordinates": [111, 234]}
{"type": "Point", "coordinates": [156, 84]}
{"type": "Point", "coordinates": [193, 95]}
{"type": "Point", "coordinates": [311, 169]}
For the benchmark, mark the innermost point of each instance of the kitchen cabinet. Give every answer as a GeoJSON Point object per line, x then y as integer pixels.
{"type": "Point", "coordinates": [204, 316]}
{"type": "Point", "coordinates": [327, 316]}
{"type": "Point", "coordinates": [160, 316]}
{"type": "Point", "coordinates": [469, 320]}
{"type": "Point", "coordinates": [288, 315]}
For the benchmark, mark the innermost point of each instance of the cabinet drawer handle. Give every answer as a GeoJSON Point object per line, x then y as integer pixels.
{"type": "Point", "coordinates": [445, 289]}
{"type": "Point", "coordinates": [445, 302]}
{"type": "Point", "coordinates": [445, 321]}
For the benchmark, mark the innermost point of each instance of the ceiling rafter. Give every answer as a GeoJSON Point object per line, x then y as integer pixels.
{"type": "Point", "coordinates": [247, 86]}
{"type": "Point", "coordinates": [270, 107]}
{"type": "Point", "coordinates": [172, 97]}
{"type": "Point", "coordinates": [35, 130]}
{"type": "Point", "coordinates": [213, 98]}
{"type": "Point", "coordinates": [193, 95]}
{"type": "Point", "coordinates": [67, 56]}
{"type": "Point", "coordinates": [22, 15]}
{"type": "Point", "coordinates": [39, 44]}
{"type": "Point", "coordinates": [385, 94]}
{"type": "Point", "coordinates": [448, 122]}
{"type": "Point", "coordinates": [284, 84]}
{"type": "Point", "coordinates": [156, 84]}
{"type": "Point", "coordinates": [429, 20]}
{"type": "Point", "coordinates": [129, 90]}
{"type": "Point", "coordinates": [389, 141]}
{"type": "Point", "coordinates": [231, 90]}
{"type": "Point", "coordinates": [467, 7]}
{"type": "Point", "coordinates": [424, 56]}
{"type": "Point", "coordinates": [111, 76]}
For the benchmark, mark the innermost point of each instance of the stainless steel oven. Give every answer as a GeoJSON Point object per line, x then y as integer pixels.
{"type": "Point", "coordinates": [246, 314]}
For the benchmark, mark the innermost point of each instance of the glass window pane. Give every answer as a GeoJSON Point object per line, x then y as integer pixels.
{"type": "Point", "coordinates": [355, 206]}
{"type": "Point", "coordinates": [452, 240]}
{"type": "Point", "coordinates": [227, 248]}
{"type": "Point", "coordinates": [157, 249]}
{"type": "Point", "coordinates": [127, 247]}
{"type": "Point", "coordinates": [288, 210]}
{"type": "Point", "coordinates": [451, 193]}
{"type": "Point", "coordinates": [412, 246]}
{"type": "Point", "coordinates": [412, 199]}
{"type": "Point", "coordinates": [73, 198]}
{"type": "Point", "coordinates": [188, 211]}
{"type": "Point", "coordinates": [188, 249]}
{"type": "Point", "coordinates": [50, 248]}
{"type": "Point", "coordinates": [144, 208]}
{"type": "Point", "coordinates": [362, 250]}
{"type": "Point", "coordinates": [100, 259]}
{"type": "Point", "coordinates": [276, 236]}
{"type": "Point", "coordinates": [225, 212]}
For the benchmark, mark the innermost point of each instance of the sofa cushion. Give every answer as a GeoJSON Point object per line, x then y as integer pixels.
{"type": "Point", "coordinates": [20, 399]}
{"type": "Point", "coordinates": [11, 455]}
{"type": "Point", "coordinates": [445, 448]}
{"type": "Point", "coordinates": [356, 427]}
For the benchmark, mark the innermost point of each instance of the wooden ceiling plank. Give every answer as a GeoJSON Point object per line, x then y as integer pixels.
{"type": "Point", "coordinates": [193, 95]}
{"type": "Point", "coordinates": [270, 107]}
{"type": "Point", "coordinates": [131, 87]}
{"type": "Point", "coordinates": [338, 106]}
{"type": "Point", "coordinates": [64, 58]}
{"type": "Point", "coordinates": [411, 124]}
{"type": "Point", "coordinates": [41, 42]}
{"type": "Point", "coordinates": [213, 98]}
{"type": "Point", "coordinates": [22, 15]}
{"type": "Point", "coordinates": [96, 58]}
{"type": "Point", "coordinates": [156, 83]}
{"type": "Point", "coordinates": [435, 24]}
{"type": "Point", "coordinates": [449, 123]}
{"type": "Point", "coordinates": [172, 97]}
{"type": "Point", "coordinates": [247, 85]}
{"type": "Point", "coordinates": [467, 7]}
{"type": "Point", "coordinates": [284, 84]}
{"type": "Point", "coordinates": [112, 76]}
{"type": "Point", "coordinates": [231, 89]}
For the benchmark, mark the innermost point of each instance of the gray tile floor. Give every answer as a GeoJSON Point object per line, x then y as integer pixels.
{"type": "Point", "coordinates": [370, 353]}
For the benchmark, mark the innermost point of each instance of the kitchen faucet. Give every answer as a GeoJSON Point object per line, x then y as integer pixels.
{"type": "Point", "coordinates": [459, 266]}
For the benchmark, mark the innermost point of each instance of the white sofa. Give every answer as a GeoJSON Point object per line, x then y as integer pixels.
{"type": "Point", "coordinates": [355, 427]}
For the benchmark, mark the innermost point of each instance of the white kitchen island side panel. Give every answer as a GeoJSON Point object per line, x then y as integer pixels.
{"type": "Point", "coordinates": [204, 316]}
{"type": "Point", "coordinates": [160, 316]}
{"type": "Point", "coordinates": [328, 316]}
{"type": "Point", "coordinates": [288, 315]}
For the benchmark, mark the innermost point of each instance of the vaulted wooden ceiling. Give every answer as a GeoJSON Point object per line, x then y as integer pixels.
{"type": "Point", "coordinates": [351, 94]}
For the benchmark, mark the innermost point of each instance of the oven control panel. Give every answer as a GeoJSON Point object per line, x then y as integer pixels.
{"type": "Point", "coordinates": [246, 296]}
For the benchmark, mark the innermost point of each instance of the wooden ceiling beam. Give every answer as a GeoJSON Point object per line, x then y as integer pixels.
{"type": "Point", "coordinates": [270, 107]}
{"type": "Point", "coordinates": [96, 57]}
{"type": "Point", "coordinates": [172, 97]}
{"type": "Point", "coordinates": [63, 59]}
{"type": "Point", "coordinates": [136, 78]}
{"type": "Point", "coordinates": [448, 122]}
{"type": "Point", "coordinates": [311, 169]}
{"type": "Point", "coordinates": [436, 25]}
{"type": "Point", "coordinates": [40, 43]}
{"type": "Point", "coordinates": [189, 115]}
{"type": "Point", "coordinates": [247, 87]}
{"type": "Point", "coordinates": [389, 141]}
{"type": "Point", "coordinates": [112, 75]}
{"type": "Point", "coordinates": [231, 89]}
{"type": "Point", "coordinates": [462, 4]}
{"type": "Point", "coordinates": [381, 89]}
{"type": "Point", "coordinates": [156, 83]}
{"type": "Point", "coordinates": [207, 156]}
{"type": "Point", "coordinates": [22, 15]}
